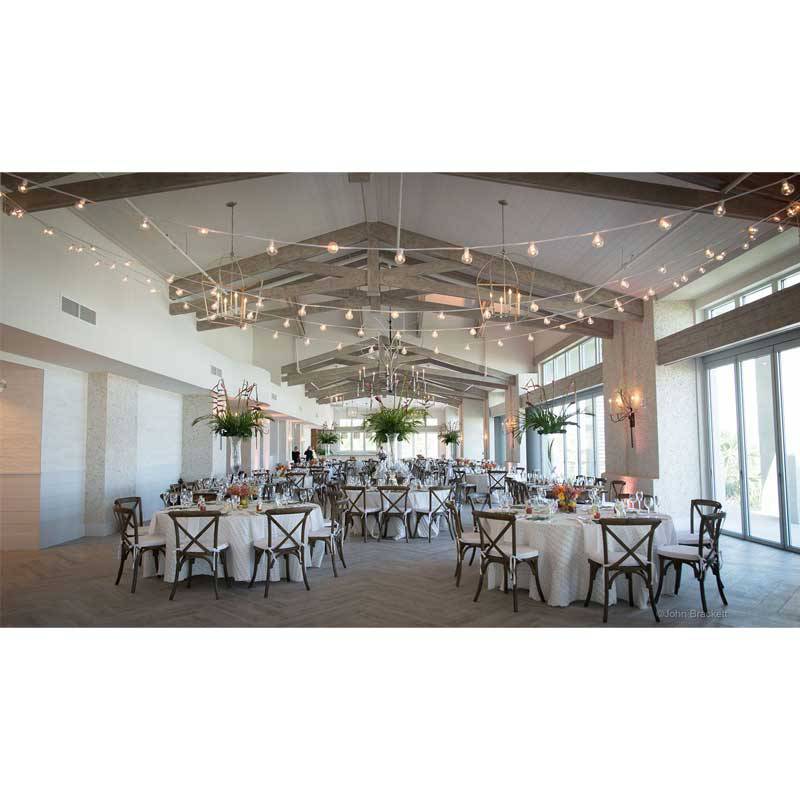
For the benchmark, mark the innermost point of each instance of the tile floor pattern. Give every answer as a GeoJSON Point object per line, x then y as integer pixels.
{"type": "Point", "coordinates": [387, 584]}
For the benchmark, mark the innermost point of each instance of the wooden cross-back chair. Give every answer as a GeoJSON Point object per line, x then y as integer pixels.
{"type": "Point", "coordinates": [466, 543]}
{"type": "Point", "coordinates": [438, 497]}
{"type": "Point", "coordinates": [132, 542]}
{"type": "Point", "coordinates": [496, 479]}
{"type": "Point", "coordinates": [394, 503]}
{"type": "Point", "coordinates": [698, 507]}
{"type": "Point", "coordinates": [283, 539]}
{"type": "Point", "coordinates": [496, 550]}
{"type": "Point", "coordinates": [617, 487]}
{"type": "Point", "coordinates": [191, 546]}
{"type": "Point", "coordinates": [701, 556]}
{"type": "Point", "coordinates": [332, 535]}
{"type": "Point", "coordinates": [356, 508]}
{"type": "Point", "coordinates": [627, 559]}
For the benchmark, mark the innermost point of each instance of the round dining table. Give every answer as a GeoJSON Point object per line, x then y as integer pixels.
{"type": "Point", "coordinates": [238, 528]}
{"type": "Point", "coordinates": [418, 502]}
{"type": "Point", "coordinates": [564, 542]}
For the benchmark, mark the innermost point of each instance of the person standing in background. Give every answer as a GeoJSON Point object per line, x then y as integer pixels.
{"type": "Point", "coordinates": [295, 455]}
{"type": "Point", "coordinates": [309, 454]}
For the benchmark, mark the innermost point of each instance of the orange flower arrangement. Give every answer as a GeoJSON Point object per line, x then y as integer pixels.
{"type": "Point", "coordinates": [567, 496]}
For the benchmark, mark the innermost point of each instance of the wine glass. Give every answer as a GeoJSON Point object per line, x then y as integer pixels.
{"type": "Point", "coordinates": [639, 496]}
{"type": "Point", "coordinates": [648, 504]}
{"type": "Point", "coordinates": [173, 498]}
{"type": "Point", "coordinates": [656, 502]}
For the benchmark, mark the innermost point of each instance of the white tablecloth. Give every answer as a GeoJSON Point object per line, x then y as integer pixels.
{"type": "Point", "coordinates": [239, 529]}
{"type": "Point", "coordinates": [564, 542]}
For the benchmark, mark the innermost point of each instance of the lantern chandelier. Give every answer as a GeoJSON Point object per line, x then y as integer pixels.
{"type": "Point", "coordinates": [497, 283]}
{"type": "Point", "coordinates": [384, 377]}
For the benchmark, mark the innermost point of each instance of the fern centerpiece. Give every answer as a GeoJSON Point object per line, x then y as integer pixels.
{"type": "Point", "coordinates": [450, 436]}
{"type": "Point", "coordinates": [235, 417]}
{"type": "Point", "coordinates": [390, 424]}
{"type": "Point", "coordinates": [327, 438]}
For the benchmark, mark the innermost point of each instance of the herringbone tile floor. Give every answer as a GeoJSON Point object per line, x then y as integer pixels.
{"type": "Point", "coordinates": [387, 584]}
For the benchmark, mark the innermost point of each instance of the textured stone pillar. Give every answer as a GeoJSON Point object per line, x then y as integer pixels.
{"type": "Point", "coordinates": [512, 412]}
{"type": "Point", "coordinates": [202, 454]}
{"type": "Point", "coordinates": [111, 447]}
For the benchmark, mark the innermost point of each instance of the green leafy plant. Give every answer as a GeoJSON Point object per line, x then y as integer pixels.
{"type": "Point", "coordinates": [393, 422]}
{"type": "Point", "coordinates": [545, 417]}
{"type": "Point", "coordinates": [327, 438]}
{"type": "Point", "coordinates": [450, 434]}
{"type": "Point", "coordinates": [241, 415]}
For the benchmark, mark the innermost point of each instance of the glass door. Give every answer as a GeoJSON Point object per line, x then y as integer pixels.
{"type": "Point", "coordinates": [789, 372]}
{"type": "Point", "coordinates": [726, 468]}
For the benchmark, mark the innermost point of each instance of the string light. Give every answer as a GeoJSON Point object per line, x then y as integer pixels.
{"type": "Point", "coordinates": [624, 284]}
{"type": "Point", "coordinates": [645, 297]}
{"type": "Point", "coordinates": [530, 337]}
{"type": "Point", "coordinates": [349, 314]}
{"type": "Point", "coordinates": [719, 256]}
{"type": "Point", "coordinates": [662, 269]}
{"type": "Point", "coordinates": [275, 335]}
{"type": "Point", "coordinates": [395, 315]}
{"type": "Point", "coordinates": [307, 341]}
{"type": "Point", "coordinates": [18, 213]}
{"type": "Point", "coordinates": [709, 253]}
{"type": "Point", "coordinates": [360, 332]}
{"type": "Point", "coordinates": [397, 335]}
{"type": "Point", "coordinates": [487, 314]}
{"type": "Point", "coordinates": [435, 335]}
{"type": "Point", "coordinates": [546, 320]}
{"type": "Point", "coordinates": [467, 347]}
{"type": "Point", "coordinates": [171, 278]}
{"type": "Point", "coordinates": [780, 228]}
{"type": "Point", "coordinates": [786, 188]}
{"type": "Point", "coordinates": [260, 303]}
{"type": "Point", "coordinates": [578, 298]}
{"type": "Point", "coordinates": [508, 326]}
{"type": "Point", "coordinates": [145, 224]}
{"type": "Point", "coordinates": [473, 332]}
{"type": "Point", "coordinates": [746, 246]}
{"type": "Point", "coordinates": [499, 342]}
{"type": "Point", "coordinates": [81, 204]}
{"type": "Point", "coordinates": [400, 257]}
{"type": "Point", "coordinates": [436, 349]}
{"type": "Point", "coordinates": [590, 321]}
{"type": "Point", "coordinates": [47, 232]}
{"type": "Point", "coordinates": [97, 263]}
{"type": "Point", "coordinates": [752, 231]}
{"type": "Point", "coordinates": [332, 247]}
{"type": "Point", "coordinates": [651, 291]}
{"type": "Point", "coordinates": [404, 351]}
{"type": "Point", "coordinates": [125, 280]}
{"type": "Point", "coordinates": [684, 278]}
{"type": "Point", "coordinates": [665, 223]}
{"type": "Point", "coordinates": [440, 315]}
{"type": "Point", "coordinates": [534, 306]}
{"type": "Point", "coordinates": [339, 346]}
{"type": "Point", "coordinates": [23, 187]}
{"type": "Point", "coordinates": [719, 210]}
{"type": "Point", "coordinates": [113, 265]}
{"type": "Point", "coordinates": [701, 270]}
{"type": "Point", "coordinates": [466, 256]}
{"type": "Point", "coordinates": [562, 326]}
{"type": "Point", "coordinates": [598, 241]}
{"type": "Point", "coordinates": [286, 323]}
{"type": "Point", "coordinates": [153, 290]}
{"type": "Point", "coordinates": [203, 231]}
{"type": "Point", "coordinates": [301, 311]}
{"type": "Point", "coordinates": [185, 305]}
{"type": "Point", "coordinates": [323, 328]}
{"type": "Point", "coordinates": [676, 284]}
{"type": "Point", "coordinates": [533, 250]}
{"type": "Point", "coordinates": [271, 249]}
{"type": "Point", "coordinates": [580, 313]}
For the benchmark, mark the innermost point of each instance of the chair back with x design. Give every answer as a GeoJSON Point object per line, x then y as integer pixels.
{"type": "Point", "coordinates": [394, 499]}
{"type": "Point", "coordinates": [455, 521]}
{"type": "Point", "coordinates": [617, 487]}
{"type": "Point", "coordinates": [127, 525]}
{"type": "Point", "coordinates": [196, 542]}
{"type": "Point", "coordinates": [708, 536]}
{"type": "Point", "coordinates": [494, 527]}
{"type": "Point", "coordinates": [356, 499]}
{"type": "Point", "coordinates": [701, 507]}
{"type": "Point", "coordinates": [438, 497]}
{"type": "Point", "coordinates": [133, 503]}
{"type": "Point", "coordinates": [497, 480]}
{"type": "Point", "coordinates": [287, 534]}
{"type": "Point", "coordinates": [640, 552]}
{"type": "Point", "coordinates": [296, 478]}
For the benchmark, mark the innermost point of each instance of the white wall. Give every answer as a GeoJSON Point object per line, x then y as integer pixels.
{"type": "Point", "coordinates": [159, 434]}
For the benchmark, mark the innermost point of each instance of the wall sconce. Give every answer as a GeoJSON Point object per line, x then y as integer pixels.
{"type": "Point", "coordinates": [511, 424]}
{"type": "Point", "coordinates": [624, 405]}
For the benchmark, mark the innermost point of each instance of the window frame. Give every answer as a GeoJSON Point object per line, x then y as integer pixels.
{"type": "Point", "coordinates": [775, 283]}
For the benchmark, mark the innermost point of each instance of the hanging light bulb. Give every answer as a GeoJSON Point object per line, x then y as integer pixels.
{"type": "Point", "coordinates": [684, 278]}
{"type": "Point", "coordinates": [780, 228]}
{"type": "Point", "coordinates": [499, 342]}
{"type": "Point", "coordinates": [786, 188]}
{"type": "Point", "coordinates": [508, 326]}
{"type": "Point", "coordinates": [467, 347]}
{"type": "Point", "coordinates": [97, 263]}
{"type": "Point", "coordinates": [400, 257]}
{"type": "Point", "coordinates": [153, 290]}
{"type": "Point", "coordinates": [307, 341]}
{"type": "Point", "coordinates": [436, 349]}
{"type": "Point", "coordinates": [113, 265]}
{"type": "Point", "coordinates": [487, 314]}
{"type": "Point", "coordinates": [701, 270]}
{"type": "Point", "coordinates": [473, 332]}
{"type": "Point", "coordinates": [47, 232]}
{"type": "Point", "coordinates": [404, 351]}
{"type": "Point", "coordinates": [145, 224]}
{"type": "Point", "coordinates": [371, 349]}
{"type": "Point", "coordinates": [125, 280]}
{"type": "Point", "coordinates": [547, 320]}
{"type": "Point", "coordinates": [179, 292]}
{"type": "Point", "coordinates": [530, 337]}
{"type": "Point", "coordinates": [651, 291]}
{"type": "Point", "coordinates": [251, 315]}
{"type": "Point", "coordinates": [360, 332]}
{"type": "Point", "coordinates": [662, 270]}
{"type": "Point", "coordinates": [275, 335]}
{"type": "Point", "coordinates": [562, 326]}
{"type": "Point", "coordinates": [598, 241]}
{"type": "Point", "coordinates": [286, 323]}
{"type": "Point", "coordinates": [709, 253]}
{"type": "Point", "coordinates": [302, 311]}
{"type": "Point", "coordinates": [719, 210]}
{"type": "Point", "coordinates": [580, 313]}
{"type": "Point", "coordinates": [395, 314]}
{"type": "Point", "coordinates": [746, 246]}
{"type": "Point", "coordinates": [533, 250]}
{"type": "Point", "coordinates": [323, 327]}
{"type": "Point", "coordinates": [440, 315]}
{"type": "Point", "coordinates": [793, 210]}
{"type": "Point", "coordinates": [81, 204]}
{"type": "Point", "coordinates": [23, 187]}
{"type": "Point", "coordinates": [645, 297]}
{"type": "Point", "coordinates": [534, 306]}
{"type": "Point", "coordinates": [578, 298]}
{"type": "Point", "coordinates": [719, 256]}
{"type": "Point", "coordinates": [676, 284]}
{"type": "Point", "coordinates": [624, 284]}
{"type": "Point", "coordinates": [271, 249]}
{"type": "Point", "coordinates": [339, 346]}
{"type": "Point", "coordinates": [260, 303]}
{"type": "Point", "coordinates": [665, 223]}
{"type": "Point", "coordinates": [333, 247]}
{"type": "Point", "coordinates": [185, 305]}
{"type": "Point", "coordinates": [349, 314]}
{"type": "Point", "coordinates": [435, 335]}
{"type": "Point", "coordinates": [590, 321]}
{"type": "Point", "coordinates": [203, 231]}
{"type": "Point", "coordinates": [466, 256]}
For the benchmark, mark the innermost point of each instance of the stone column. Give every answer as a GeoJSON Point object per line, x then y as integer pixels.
{"type": "Point", "coordinates": [202, 455]}
{"type": "Point", "coordinates": [111, 447]}
{"type": "Point", "coordinates": [512, 412]}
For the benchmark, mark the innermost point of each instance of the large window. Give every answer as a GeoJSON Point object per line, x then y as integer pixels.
{"type": "Point", "coordinates": [581, 450]}
{"type": "Point", "coordinates": [354, 440]}
{"type": "Point", "coordinates": [753, 439]}
{"type": "Point", "coordinates": [751, 295]}
{"type": "Point", "coordinates": [580, 356]}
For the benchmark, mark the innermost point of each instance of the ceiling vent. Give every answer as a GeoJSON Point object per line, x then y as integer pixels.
{"type": "Point", "coordinates": [216, 371]}
{"type": "Point", "coordinates": [78, 311]}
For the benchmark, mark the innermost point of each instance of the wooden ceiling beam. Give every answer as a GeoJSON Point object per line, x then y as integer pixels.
{"type": "Point", "coordinates": [627, 190]}
{"type": "Point", "coordinates": [131, 184]}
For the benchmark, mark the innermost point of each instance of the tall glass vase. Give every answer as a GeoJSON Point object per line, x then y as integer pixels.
{"type": "Point", "coordinates": [235, 443]}
{"type": "Point", "coordinates": [392, 460]}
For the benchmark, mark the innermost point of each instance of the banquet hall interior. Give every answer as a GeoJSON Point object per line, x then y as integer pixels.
{"type": "Point", "coordinates": [400, 399]}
